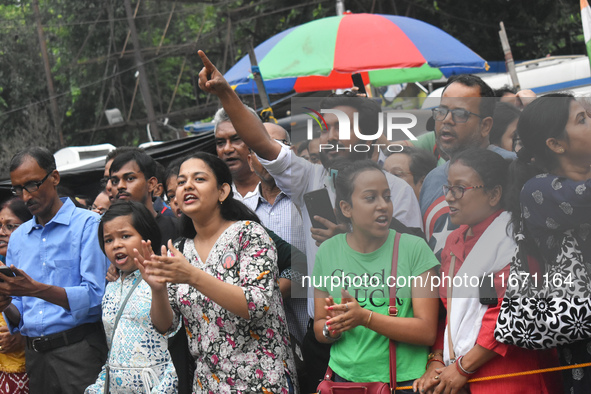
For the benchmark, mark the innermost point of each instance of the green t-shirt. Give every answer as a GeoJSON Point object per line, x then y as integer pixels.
{"type": "Point", "coordinates": [427, 141]}
{"type": "Point", "coordinates": [362, 355]}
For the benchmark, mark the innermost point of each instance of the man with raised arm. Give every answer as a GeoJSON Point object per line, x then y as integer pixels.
{"type": "Point", "coordinates": [295, 176]}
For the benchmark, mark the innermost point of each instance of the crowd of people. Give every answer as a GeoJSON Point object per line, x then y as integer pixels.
{"type": "Point", "coordinates": [216, 275]}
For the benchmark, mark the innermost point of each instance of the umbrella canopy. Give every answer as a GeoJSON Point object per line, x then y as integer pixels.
{"type": "Point", "coordinates": [384, 49]}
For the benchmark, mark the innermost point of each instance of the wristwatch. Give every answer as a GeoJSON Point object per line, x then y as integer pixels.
{"type": "Point", "coordinates": [326, 333]}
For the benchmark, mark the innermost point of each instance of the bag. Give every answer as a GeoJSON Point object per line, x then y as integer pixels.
{"type": "Point", "coordinates": [545, 311]}
{"type": "Point", "coordinates": [107, 385]}
{"type": "Point", "coordinates": [327, 386]}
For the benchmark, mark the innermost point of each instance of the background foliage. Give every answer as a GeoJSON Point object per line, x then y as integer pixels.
{"type": "Point", "coordinates": [91, 73]}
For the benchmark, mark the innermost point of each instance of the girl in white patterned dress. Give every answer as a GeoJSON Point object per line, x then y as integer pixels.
{"type": "Point", "coordinates": [138, 361]}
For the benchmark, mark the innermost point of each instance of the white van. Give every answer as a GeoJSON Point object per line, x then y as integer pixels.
{"type": "Point", "coordinates": [548, 74]}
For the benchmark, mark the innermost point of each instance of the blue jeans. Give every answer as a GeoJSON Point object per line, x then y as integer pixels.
{"type": "Point", "coordinates": [290, 384]}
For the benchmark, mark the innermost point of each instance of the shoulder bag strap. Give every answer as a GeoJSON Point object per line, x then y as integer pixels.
{"type": "Point", "coordinates": [452, 266]}
{"type": "Point", "coordinates": [117, 317]}
{"type": "Point", "coordinates": [393, 311]}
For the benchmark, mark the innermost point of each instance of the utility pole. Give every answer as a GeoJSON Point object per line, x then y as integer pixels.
{"type": "Point", "coordinates": [257, 77]}
{"type": "Point", "coordinates": [509, 63]}
{"type": "Point", "coordinates": [143, 77]}
{"type": "Point", "coordinates": [48, 77]}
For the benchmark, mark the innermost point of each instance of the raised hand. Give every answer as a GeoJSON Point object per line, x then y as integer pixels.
{"type": "Point", "coordinates": [141, 260]}
{"type": "Point", "coordinates": [173, 268]}
{"type": "Point", "coordinates": [210, 79]}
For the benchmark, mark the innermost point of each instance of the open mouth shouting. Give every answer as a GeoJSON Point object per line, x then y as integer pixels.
{"type": "Point", "coordinates": [189, 198]}
{"type": "Point", "coordinates": [382, 220]}
{"type": "Point", "coordinates": [446, 136]}
{"type": "Point", "coordinates": [121, 258]}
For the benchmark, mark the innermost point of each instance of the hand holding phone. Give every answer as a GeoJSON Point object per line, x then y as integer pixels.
{"type": "Point", "coordinates": [6, 271]}
{"type": "Point", "coordinates": [318, 204]}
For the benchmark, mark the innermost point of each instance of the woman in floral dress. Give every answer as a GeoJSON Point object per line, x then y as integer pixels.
{"type": "Point", "coordinates": [224, 285]}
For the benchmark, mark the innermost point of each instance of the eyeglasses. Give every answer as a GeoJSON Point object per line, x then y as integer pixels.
{"type": "Point", "coordinates": [457, 192]}
{"type": "Point", "coordinates": [284, 142]}
{"type": "Point", "coordinates": [459, 115]}
{"type": "Point", "coordinates": [30, 187]}
{"type": "Point", "coordinates": [8, 228]}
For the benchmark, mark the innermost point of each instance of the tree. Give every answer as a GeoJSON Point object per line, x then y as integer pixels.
{"type": "Point", "coordinates": [93, 67]}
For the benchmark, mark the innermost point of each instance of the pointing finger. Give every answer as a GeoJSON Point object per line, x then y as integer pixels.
{"type": "Point", "coordinates": [206, 62]}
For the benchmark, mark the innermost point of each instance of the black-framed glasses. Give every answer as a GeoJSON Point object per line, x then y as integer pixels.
{"type": "Point", "coordinates": [30, 187]}
{"type": "Point", "coordinates": [459, 115]}
{"type": "Point", "coordinates": [8, 228]}
{"type": "Point", "coordinates": [457, 192]}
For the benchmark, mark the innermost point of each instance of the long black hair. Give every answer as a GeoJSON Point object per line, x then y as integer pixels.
{"type": "Point", "coordinates": [231, 209]}
{"type": "Point", "coordinates": [141, 219]}
{"type": "Point", "coordinates": [505, 114]}
{"type": "Point", "coordinates": [546, 117]}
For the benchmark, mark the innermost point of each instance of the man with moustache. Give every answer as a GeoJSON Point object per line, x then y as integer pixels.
{"type": "Point", "coordinates": [234, 152]}
{"type": "Point", "coordinates": [462, 120]}
{"type": "Point", "coordinates": [296, 176]}
{"type": "Point", "coordinates": [54, 299]}
{"type": "Point", "coordinates": [133, 177]}
{"type": "Point", "coordinates": [106, 179]}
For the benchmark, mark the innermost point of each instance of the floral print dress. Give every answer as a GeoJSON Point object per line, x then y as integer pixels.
{"type": "Point", "coordinates": [139, 361]}
{"type": "Point", "coordinates": [235, 355]}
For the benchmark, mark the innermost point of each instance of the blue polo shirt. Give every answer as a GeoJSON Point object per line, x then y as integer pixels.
{"type": "Point", "coordinates": [64, 253]}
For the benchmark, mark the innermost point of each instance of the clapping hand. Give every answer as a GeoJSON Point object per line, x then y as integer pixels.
{"type": "Point", "coordinates": [347, 315]}
{"type": "Point", "coordinates": [158, 270]}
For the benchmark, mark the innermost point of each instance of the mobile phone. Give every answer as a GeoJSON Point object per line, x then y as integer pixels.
{"type": "Point", "coordinates": [318, 204]}
{"type": "Point", "coordinates": [488, 294]}
{"type": "Point", "coordinates": [4, 270]}
{"type": "Point", "coordinates": [358, 81]}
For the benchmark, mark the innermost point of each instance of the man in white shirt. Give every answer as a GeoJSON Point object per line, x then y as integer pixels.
{"type": "Point", "coordinates": [295, 176]}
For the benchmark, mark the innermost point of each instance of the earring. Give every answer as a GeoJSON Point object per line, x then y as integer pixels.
{"type": "Point", "coordinates": [561, 150]}
{"type": "Point", "coordinates": [221, 202]}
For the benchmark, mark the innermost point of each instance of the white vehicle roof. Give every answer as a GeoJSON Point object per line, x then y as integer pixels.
{"type": "Point", "coordinates": [549, 74]}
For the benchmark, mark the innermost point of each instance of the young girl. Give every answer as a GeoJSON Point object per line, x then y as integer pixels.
{"type": "Point", "coordinates": [138, 361]}
{"type": "Point", "coordinates": [481, 246]}
{"type": "Point", "coordinates": [358, 323]}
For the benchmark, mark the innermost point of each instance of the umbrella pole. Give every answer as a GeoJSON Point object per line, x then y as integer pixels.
{"type": "Point", "coordinates": [267, 111]}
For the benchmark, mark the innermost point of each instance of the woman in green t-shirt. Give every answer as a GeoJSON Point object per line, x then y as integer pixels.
{"type": "Point", "coordinates": [352, 275]}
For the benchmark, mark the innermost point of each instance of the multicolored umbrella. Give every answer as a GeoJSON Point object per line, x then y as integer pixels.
{"type": "Point", "coordinates": [384, 49]}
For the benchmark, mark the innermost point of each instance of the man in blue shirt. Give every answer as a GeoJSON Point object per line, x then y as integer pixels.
{"type": "Point", "coordinates": [54, 299]}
